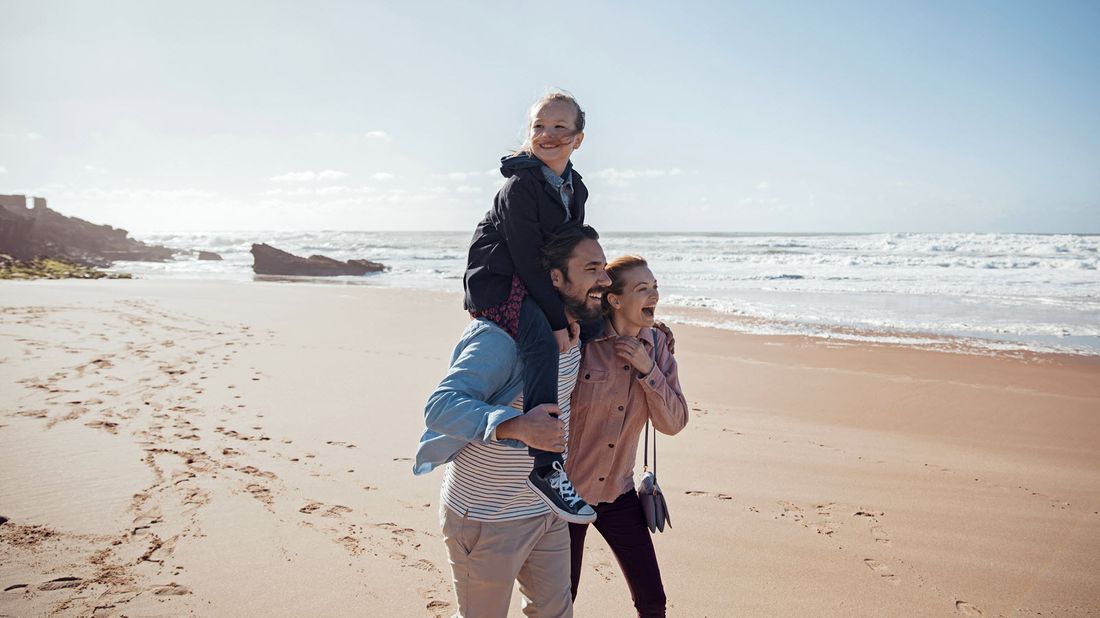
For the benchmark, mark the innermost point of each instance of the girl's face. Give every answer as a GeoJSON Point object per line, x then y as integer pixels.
{"type": "Point", "coordinates": [636, 305]}
{"type": "Point", "coordinates": [553, 134]}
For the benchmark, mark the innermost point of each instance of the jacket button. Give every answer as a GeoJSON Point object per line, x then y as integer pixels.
{"type": "Point", "coordinates": [627, 367]}
{"type": "Point", "coordinates": [651, 382]}
{"type": "Point", "coordinates": [601, 478]}
{"type": "Point", "coordinates": [610, 446]}
{"type": "Point", "coordinates": [620, 408]}
{"type": "Point", "coordinates": [587, 376]}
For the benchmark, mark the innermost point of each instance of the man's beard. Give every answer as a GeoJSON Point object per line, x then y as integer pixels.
{"type": "Point", "coordinates": [579, 308]}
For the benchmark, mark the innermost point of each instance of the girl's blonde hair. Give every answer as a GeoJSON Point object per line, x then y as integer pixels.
{"type": "Point", "coordinates": [554, 96]}
{"type": "Point", "coordinates": [616, 268]}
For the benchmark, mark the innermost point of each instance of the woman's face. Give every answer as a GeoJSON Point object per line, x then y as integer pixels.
{"type": "Point", "coordinates": [636, 305]}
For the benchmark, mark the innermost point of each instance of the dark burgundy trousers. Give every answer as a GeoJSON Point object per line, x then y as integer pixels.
{"type": "Point", "coordinates": [622, 525]}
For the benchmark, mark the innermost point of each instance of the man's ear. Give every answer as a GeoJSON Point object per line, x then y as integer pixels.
{"type": "Point", "coordinates": [556, 277]}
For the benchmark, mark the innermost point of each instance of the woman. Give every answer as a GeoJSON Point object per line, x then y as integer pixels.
{"type": "Point", "coordinates": [628, 375]}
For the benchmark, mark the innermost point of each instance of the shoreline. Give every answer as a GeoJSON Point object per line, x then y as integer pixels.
{"type": "Point", "coordinates": [703, 317]}
{"type": "Point", "coordinates": [156, 435]}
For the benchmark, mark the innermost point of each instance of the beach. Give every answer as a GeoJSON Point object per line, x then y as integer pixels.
{"type": "Point", "coordinates": [226, 448]}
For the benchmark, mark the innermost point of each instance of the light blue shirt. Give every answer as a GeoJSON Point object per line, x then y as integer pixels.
{"type": "Point", "coordinates": [484, 378]}
{"type": "Point", "coordinates": [563, 185]}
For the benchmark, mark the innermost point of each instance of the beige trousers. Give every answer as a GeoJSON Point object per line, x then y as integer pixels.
{"type": "Point", "coordinates": [487, 558]}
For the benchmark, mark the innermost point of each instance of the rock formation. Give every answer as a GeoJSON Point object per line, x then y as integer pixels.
{"type": "Point", "coordinates": [39, 232]}
{"type": "Point", "coordinates": [209, 255]}
{"type": "Point", "coordinates": [268, 260]}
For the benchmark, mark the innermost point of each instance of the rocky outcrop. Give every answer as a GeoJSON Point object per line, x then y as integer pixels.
{"type": "Point", "coordinates": [209, 256]}
{"type": "Point", "coordinates": [39, 232]}
{"type": "Point", "coordinates": [49, 268]}
{"type": "Point", "coordinates": [268, 260]}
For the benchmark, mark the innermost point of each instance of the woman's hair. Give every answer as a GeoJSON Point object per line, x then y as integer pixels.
{"type": "Point", "coordinates": [554, 96]}
{"type": "Point", "coordinates": [616, 268]}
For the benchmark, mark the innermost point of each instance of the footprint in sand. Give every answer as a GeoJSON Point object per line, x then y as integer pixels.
{"type": "Point", "coordinates": [882, 570]}
{"type": "Point", "coordinates": [790, 509]}
{"type": "Point", "coordinates": [880, 535]}
{"type": "Point", "coordinates": [261, 493]}
{"type": "Point", "coordinates": [336, 510]}
{"type": "Point", "coordinates": [424, 565]}
{"type": "Point", "coordinates": [967, 609]}
{"type": "Point", "coordinates": [172, 589]}
{"type": "Point", "coordinates": [707, 494]}
{"type": "Point", "coordinates": [61, 583]}
{"type": "Point", "coordinates": [605, 570]}
{"type": "Point", "coordinates": [877, 531]}
{"type": "Point", "coordinates": [105, 425]}
{"type": "Point", "coordinates": [440, 608]}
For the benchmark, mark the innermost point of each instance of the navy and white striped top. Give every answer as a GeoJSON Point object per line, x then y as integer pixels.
{"type": "Point", "coordinates": [488, 481]}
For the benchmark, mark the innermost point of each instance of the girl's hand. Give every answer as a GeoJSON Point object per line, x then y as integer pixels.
{"type": "Point", "coordinates": [631, 350]}
{"type": "Point", "coordinates": [563, 339]}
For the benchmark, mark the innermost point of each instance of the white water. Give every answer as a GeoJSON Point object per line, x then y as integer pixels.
{"type": "Point", "coordinates": [998, 291]}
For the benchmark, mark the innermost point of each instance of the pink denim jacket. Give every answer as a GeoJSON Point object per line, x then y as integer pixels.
{"type": "Point", "coordinates": [610, 405]}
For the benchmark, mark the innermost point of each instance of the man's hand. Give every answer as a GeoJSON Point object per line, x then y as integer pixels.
{"type": "Point", "coordinates": [562, 338]}
{"type": "Point", "coordinates": [661, 326]}
{"type": "Point", "coordinates": [540, 428]}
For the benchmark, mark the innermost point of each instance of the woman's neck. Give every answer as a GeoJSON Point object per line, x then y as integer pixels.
{"type": "Point", "coordinates": [623, 327]}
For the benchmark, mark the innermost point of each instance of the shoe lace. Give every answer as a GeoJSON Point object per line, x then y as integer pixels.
{"type": "Point", "coordinates": [561, 484]}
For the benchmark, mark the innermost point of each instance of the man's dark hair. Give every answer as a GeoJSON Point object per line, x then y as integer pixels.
{"type": "Point", "coordinates": [557, 249]}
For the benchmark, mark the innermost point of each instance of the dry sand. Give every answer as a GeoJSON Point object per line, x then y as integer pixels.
{"type": "Point", "coordinates": [227, 449]}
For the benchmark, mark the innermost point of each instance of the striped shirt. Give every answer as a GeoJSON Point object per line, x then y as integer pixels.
{"type": "Point", "coordinates": [488, 481]}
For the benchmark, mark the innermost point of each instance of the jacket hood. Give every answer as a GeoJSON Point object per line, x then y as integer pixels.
{"type": "Point", "coordinates": [512, 163]}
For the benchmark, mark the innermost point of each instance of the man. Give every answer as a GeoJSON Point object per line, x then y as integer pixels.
{"type": "Point", "coordinates": [496, 529]}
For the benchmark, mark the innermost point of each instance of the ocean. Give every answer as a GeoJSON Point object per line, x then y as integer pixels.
{"type": "Point", "coordinates": [962, 292]}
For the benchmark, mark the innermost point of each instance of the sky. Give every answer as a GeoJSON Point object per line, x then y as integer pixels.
{"type": "Point", "coordinates": [929, 116]}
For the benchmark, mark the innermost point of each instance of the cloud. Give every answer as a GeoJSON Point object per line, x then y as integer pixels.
{"type": "Point", "coordinates": [309, 176]}
{"type": "Point", "coordinates": [467, 189]}
{"type": "Point", "coordinates": [763, 185]}
{"type": "Point", "coordinates": [3, 170]}
{"type": "Point", "coordinates": [468, 176]}
{"type": "Point", "coordinates": [321, 191]}
{"type": "Point", "coordinates": [145, 194]}
{"type": "Point", "coordinates": [94, 169]}
{"type": "Point", "coordinates": [378, 136]}
{"type": "Point", "coordinates": [624, 177]}
{"type": "Point", "coordinates": [382, 176]}
{"type": "Point", "coordinates": [31, 135]}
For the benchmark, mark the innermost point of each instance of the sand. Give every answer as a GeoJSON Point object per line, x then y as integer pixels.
{"type": "Point", "coordinates": [226, 449]}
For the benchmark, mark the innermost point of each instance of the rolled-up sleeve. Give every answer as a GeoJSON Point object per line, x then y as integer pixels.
{"type": "Point", "coordinates": [668, 409]}
{"type": "Point", "coordinates": [458, 408]}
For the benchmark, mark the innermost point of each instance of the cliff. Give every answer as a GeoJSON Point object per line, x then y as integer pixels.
{"type": "Point", "coordinates": [39, 232]}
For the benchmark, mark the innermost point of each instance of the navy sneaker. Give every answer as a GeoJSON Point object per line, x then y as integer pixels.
{"type": "Point", "coordinates": [557, 492]}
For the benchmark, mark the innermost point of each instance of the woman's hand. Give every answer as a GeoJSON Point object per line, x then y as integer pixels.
{"type": "Point", "coordinates": [632, 350]}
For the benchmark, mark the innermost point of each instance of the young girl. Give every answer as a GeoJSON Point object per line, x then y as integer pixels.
{"type": "Point", "coordinates": [506, 284]}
